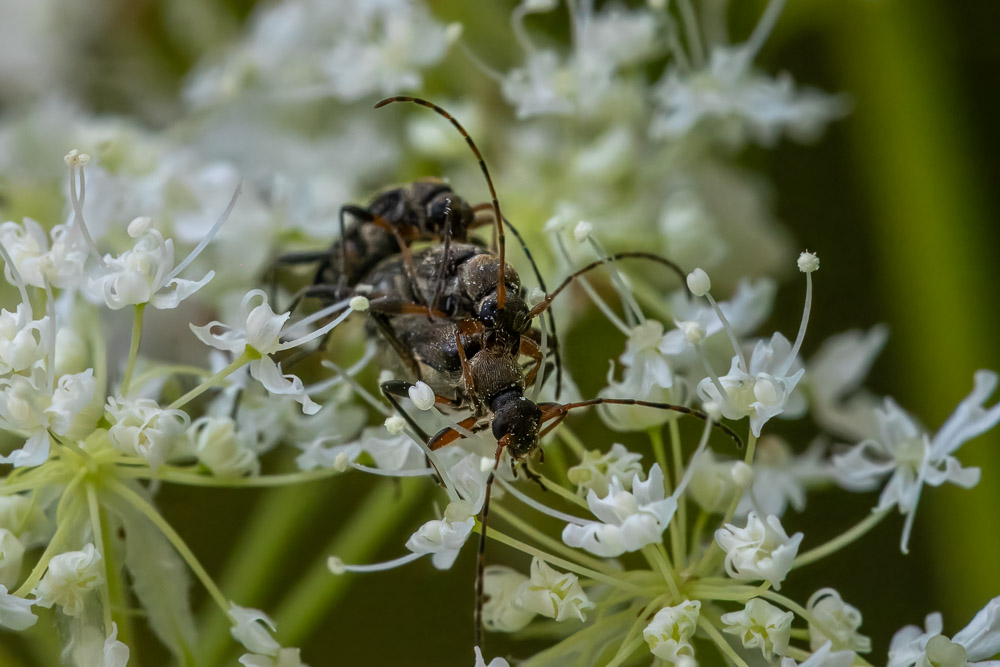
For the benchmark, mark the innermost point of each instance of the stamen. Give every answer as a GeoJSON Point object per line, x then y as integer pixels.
{"type": "Point", "coordinates": [592, 293]}
{"type": "Point", "coordinates": [50, 310]}
{"type": "Point", "coordinates": [75, 160]}
{"type": "Point", "coordinates": [318, 315]}
{"type": "Point", "coordinates": [333, 381]}
{"type": "Point", "coordinates": [534, 504]}
{"type": "Point", "coordinates": [675, 48]}
{"type": "Point", "coordinates": [692, 33]}
{"type": "Point", "coordinates": [619, 284]}
{"type": "Point", "coordinates": [730, 332]}
{"type": "Point", "coordinates": [348, 377]}
{"type": "Point", "coordinates": [338, 566]}
{"type": "Point", "coordinates": [18, 281]}
{"type": "Point", "coordinates": [420, 472]}
{"type": "Point", "coordinates": [808, 263]}
{"type": "Point", "coordinates": [689, 473]}
{"type": "Point", "coordinates": [517, 26]}
{"type": "Point", "coordinates": [316, 334]}
{"type": "Point", "coordinates": [763, 30]}
{"type": "Point", "coordinates": [723, 394]}
{"type": "Point", "coordinates": [209, 236]}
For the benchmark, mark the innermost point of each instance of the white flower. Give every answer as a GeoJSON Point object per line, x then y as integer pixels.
{"type": "Point", "coordinates": [390, 451]}
{"type": "Point", "coordinates": [218, 449]}
{"type": "Point", "coordinates": [15, 612]}
{"type": "Point", "coordinates": [553, 594]}
{"type": "Point", "coordinates": [351, 51]}
{"type": "Point", "coordinates": [760, 392]}
{"type": "Point", "coordinates": [69, 577]}
{"type": "Point", "coordinates": [628, 520]}
{"type": "Point", "coordinates": [542, 86]}
{"type": "Point", "coordinates": [749, 305]}
{"type": "Point", "coordinates": [632, 418]}
{"type": "Point", "coordinates": [669, 633]}
{"type": "Point", "coordinates": [501, 613]}
{"type": "Point", "coordinates": [781, 478]}
{"type": "Point", "coordinates": [761, 550]}
{"type": "Point", "coordinates": [603, 44]}
{"type": "Point", "coordinates": [699, 283]}
{"type": "Point", "coordinates": [262, 333]}
{"type": "Point", "coordinates": [595, 471]}
{"type": "Point", "coordinates": [144, 274]}
{"type": "Point", "coordinates": [116, 653]}
{"type": "Point", "coordinates": [972, 645]}
{"type": "Point", "coordinates": [913, 458]}
{"type": "Point", "coordinates": [836, 622]}
{"type": "Point", "coordinates": [11, 554]}
{"type": "Point", "coordinates": [642, 352]}
{"type": "Point", "coordinates": [28, 246]}
{"type": "Point", "coordinates": [712, 484]}
{"type": "Point", "coordinates": [142, 428]}
{"type": "Point", "coordinates": [833, 376]}
{"type": "Point", "coordinates": [741, 104]}
{"type": "Point", "coordinates": [422, 396]}
{"type": "Point", "coordinates": [252, 628]}
{"type": "Point", "coordinates": [286, 657]}
{"type": "Point", "coordinates": [27, 406]}
{"type": "Point", "coordinates": [824, 657]}
{"type": "Point", "coordinates": [23, 341]}
{"type": "Point", "coordinates": [444, 537]}
{"type": "Point", "coordinates": [495, 662]}
{"type": "Point", "coordinates": [761, 625]}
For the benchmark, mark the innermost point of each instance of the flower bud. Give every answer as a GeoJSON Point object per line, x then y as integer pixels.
{"type": "Point", "coordinates": [500, 587]}
{"type": "Point", "coordinates": [699, 283]}
{"type": "Point", "coordinates": [70, 576]}
{"type": "Point", "coordinates": [669, 633]}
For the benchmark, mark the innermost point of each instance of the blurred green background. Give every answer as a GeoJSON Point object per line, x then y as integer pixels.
{"type": "Point", "coordinates": [901, 203]}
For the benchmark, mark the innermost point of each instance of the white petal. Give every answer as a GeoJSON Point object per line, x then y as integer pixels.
{"type": "Point", "coordinates": [981, 637]}
{"type": "Point", "coordinates": [15, 612]}
{"type": "Point", "coordinates": [269, 374]}
{"type": "Point", "coordinates": [229, 339]}
{"type": "Point", "coordinates": [250, 628]}
{"type": "Point", "coordinates": [34, 452]}
{"type": "Point", "coordinates": [170, 295]}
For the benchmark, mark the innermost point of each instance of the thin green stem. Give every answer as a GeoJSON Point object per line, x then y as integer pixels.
{"type": "Point", "coordinates": [720, 642]}
{"type": "Point", "coordinates": [714, 550]}
{"type": "Point", "coordinates": [180, 476]}
{"type": "Point", "coordinates": [656, 555]}
{"type": "Point", "coordinates": [102, 547]}
{"type": "Point", "coordinates": [841, 540]}
{"type": "Point", "coordinates": [550, 543]}
{"type": "Point", "coordinates": [133, 350]}
{"type": "Point", "coordinates": [170, 369]}
{"type": "Point", "coordinates": [563, 492]}
{"type": "Point", "coordinates": [275, 529]}
{"type": "Point", "coordinates": [697, 531]}
{"type": "Point", "coordinates": [567, 565]}
{"type": "Point", "coordinates": [572, 441]}
{"type": "Point", "coordinates": [168, 531]}
{"type": "Point", "coordinates": [216, 380]}
{"type": "Point", "coordinates": [63, 526]}
{"type": "Point", "coordinates": [375, 520]}
{"type": "Point", "coordinates": [625, 651]}
{"type": "Point", "coordinates": [679, 523]}
{"type": "Point", "coordinates": [660, 452]}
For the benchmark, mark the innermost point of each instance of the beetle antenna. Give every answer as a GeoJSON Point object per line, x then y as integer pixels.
{"type": "Point", "coordinates": [558, 412]}
{"type": "Point", "coordinates": [501, 285]}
